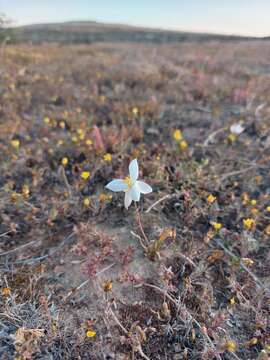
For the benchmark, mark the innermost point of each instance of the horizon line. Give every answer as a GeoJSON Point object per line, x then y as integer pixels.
{"type": "Point", "coordinates": [141, 27]}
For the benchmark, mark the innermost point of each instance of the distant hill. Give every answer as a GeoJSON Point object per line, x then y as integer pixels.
{"type": "Point", "coordinates": [90, 31]}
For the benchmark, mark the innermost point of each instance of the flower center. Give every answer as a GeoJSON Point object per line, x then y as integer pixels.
{"type": "Point", "coordinates": [127, 180]}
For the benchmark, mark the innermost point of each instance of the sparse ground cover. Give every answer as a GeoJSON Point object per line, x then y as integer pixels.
{"type": "Point", "coordinates": [186, 273]}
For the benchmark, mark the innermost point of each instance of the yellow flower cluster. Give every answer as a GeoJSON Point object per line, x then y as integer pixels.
{"type": "Point", "coordinates": [249, 224]}
{"type": "Point", "coordinates": [178, 137]}
{"type": "Point", "coordinates": [211, 199]}
{"type": "Point", "coordinates": [85, 175]}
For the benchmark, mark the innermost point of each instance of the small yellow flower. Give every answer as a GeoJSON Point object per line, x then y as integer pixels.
{"type": "Point", "coordinates": [6, 292]}
{"type": "Point", "coordinates": [91, 333]}
{"type": "Point", "coordinates": [232, 301]}
{"type": "Point", "coordinates": [47, 120]}
{"type": "Point", "coordinates": [253, 202]}
{"type": "Point", "coordinates": [135, 111]}
{"type": "Point", "coordinates": [14, 197]}
{"type": "Point", "coordinates": [230, 345]}
{"type": "Point", "coordinates": [232, 138]}
{"type": "Point", "coordinates": [183, 145]}
{"type": "Point", "coordinates": [85, 175]}
{"type": "Point", "coordinates": [211, 199]}
{"type": "Point", "coordinates": [107, 286]}
{"type": "Point", "coordinates": [60, 142]}
{"type": "Point", "coordinates": [253, 341]}
{"type": "Point", "coordinates": [88, 142]}
{"type": "Point", "coordinates": [177, 135]}
{"type": "Point", "coordinates": [62, 125]}
{"type": "Point", "coordinates": [25, 191]}
{"type": "Point", "coordinates": [248, 262]}
{"type": "Point", "coordinates": [74, 139]}
{"type": "Point", "coordinates": [268, 209]}
{"type": "Point", "coordinates": [86, 201]}
{"type": "Point", "coordinates": [107, 157]}
{"type": "Point", "coordinates": [81, 134]}
{"type": "Point", "coordinates": [15, 143]}
{"type": "Point", "coordinates": [64, 161]}
{"type": "Point", "coordinates": [217, 226]}
{"type": "Point", "coordinates": [104, 197]}
{"type": "Point", "coordinates": [249, 223]}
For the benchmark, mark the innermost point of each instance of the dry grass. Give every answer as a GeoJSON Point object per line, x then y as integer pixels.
{"type": "Point", "coordinates": [83, 278]}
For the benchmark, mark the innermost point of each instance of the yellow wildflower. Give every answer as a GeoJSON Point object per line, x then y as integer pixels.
{"type": "Point", "coordinates": [248, 261]}
{"type": "Point", "coordinates": [88, 142]}
{"type": "Point", "coordinates": [25, 191]}
{"type": "Point", "coordinates": [232, 301]}
{"type": "Point", "coordinates": [107, 157]}
{"type": "Point", "coordinates": [183, 145]}
{"type": "Point", "coordinates": [14, 197]}
{"type": "Point", "coordinates": [107, 286]}
{"type": "Point", "coordinates": [64, 161]}
{"type": "Point", "coordinates": [62, 125]}
{"type": "Point", "coordinates": [15, 143]}
{"type": "Point", "coordinates": [6, 292]}
{"type": "Point", "coordinates": [47, 120]}
{"type": "Point", "coordinates": [211, 199]}
{"type": "Point", "coordinates": [86, 201]}
{"type": "Point", "coordinates": [74, 139]}
{"type": "Point", "coordinates": [217, 226]}
{"type": "Point", "coordinates": [268, 209]}
{"type": "Point", "coordinates": [104, 197]}
{"type": "Point", "coordinates": [230, 345]}
{"type": "Point", "coordinates": [85, 175]}
{"type": "Point", "coordinates": [177, 135]}
{"type": "Point", "coordinates": [91, 333]}
{"type": "Point", "coordinates": [249, 223]}
{"type": "Point", "coordinates": [232, 138]}
{"type": "Point", "coordinates": [135, 111]}
{"type": "Point", "coordinates": [253, 202]}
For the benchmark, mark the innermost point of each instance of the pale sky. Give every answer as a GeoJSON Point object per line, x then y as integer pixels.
{"type": "Point", "coordinates": [243, 17]}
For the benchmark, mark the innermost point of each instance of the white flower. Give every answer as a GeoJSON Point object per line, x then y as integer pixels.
{"type": "Point", "coordinates": [132, 187]}
{"type": "Point", "coordinates": [237, 128]}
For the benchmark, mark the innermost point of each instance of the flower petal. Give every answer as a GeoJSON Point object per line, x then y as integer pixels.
{"type": "Point", "coordinates": [237, 129]}
{"type": "Point", "coordinates": [134, 193]}
{"type": "Point", "coordinates": [128, 200]}
{"type": "Point", "coordinates": [134, 170]}
{"type": "Point", "coordinates": [143, 187]}
{"type": "Point", "coordinates": [117, 185]}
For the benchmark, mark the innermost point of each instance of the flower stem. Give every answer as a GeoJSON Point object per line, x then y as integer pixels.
{"type": "Point", "coordinates": [140, 225]}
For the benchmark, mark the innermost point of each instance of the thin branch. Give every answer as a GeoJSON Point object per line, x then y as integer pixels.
{"type": "Point", "coordinates": [165, 293]}
{"type": "Point", "coordinates": [158, 202]}
{"type": "Point", "coordinates": [18, 248]}
{"type": "Point", "coordinates": [244, 267]}
{"type": "Point", "coordinates": [211, 137]}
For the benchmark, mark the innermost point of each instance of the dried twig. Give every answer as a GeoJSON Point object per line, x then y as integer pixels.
{"type": "Point", "coordinates": [18, 248]}
{"type": "Point", "coordinates": [211, 137]}
{"type": "Point", "coordinates": [165, 293]}
{"type": "Point", "coordinates": [168, 196]}
{"type": "Point", "coordinates": [73, 291]}
{"type": "Point", "coordinates": [244, 267]}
